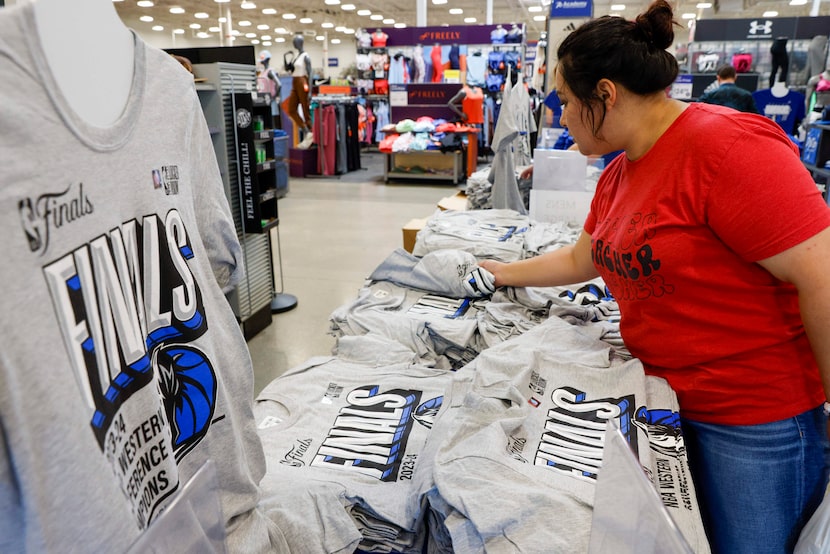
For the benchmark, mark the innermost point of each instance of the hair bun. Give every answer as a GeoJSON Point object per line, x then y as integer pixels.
{"type": "Point", "coordinates": [656, 24]}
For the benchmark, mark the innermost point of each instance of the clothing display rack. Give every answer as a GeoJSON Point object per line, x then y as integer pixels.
{"type": "Point", "coordinates": [336, 134]}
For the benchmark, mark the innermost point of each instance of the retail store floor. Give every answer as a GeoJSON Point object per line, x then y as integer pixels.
{"type": "Point", "coordinates": [333, 231]}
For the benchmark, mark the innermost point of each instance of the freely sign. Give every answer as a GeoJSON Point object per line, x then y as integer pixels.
{"type": "Point", "coordinates": [333, 62]}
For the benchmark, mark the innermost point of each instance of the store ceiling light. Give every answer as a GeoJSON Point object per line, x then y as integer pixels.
{"type": "Point", "coordinates": [248, 6]}
{"type": "Point", "coordinates": [327, 25]}
{"type": "Point", "coordinates": [146, 18]}
{"type": "Point", "coordinates": [340, 28]}
{"type": "Point", "coordinates": [399, 25]}
{"type": "Point", "coordinates": [332, 2]}
{"type": "Point", "coordinates": [214, 29]}
{"type": "Point", "coordinates": [201, 15]}
{"type": "Point", "coordinates": [617, 7]}
{"type": "Point", "coordinates": [281, 31]}
{"type": "Point", "coordinates": [279, 39]}
{"type": "Point", "coordinates": [222, 20]}
{"type": "Point", "coordinates": [236, 32]}
{"type": "Point", "coordinates": [250, 35]}
{"type": "Point", "coordinates": [263, 27]}
{"type": "Point", "coordinates": [202, 34]}
{"type": "Point", "coordinates": [195, 26]}
{"type": "Point", "coordinates": [244, 23]}
{"type": "Point", "coordinates": [534, 9]}
{"type": "Point", "coordinates": [320, 37]}
{"type": "Point", "coordinates": [364, 13]}
{"type": "Point", "coordinates": [539, 17]}
{"type": "Point", "coordinates": [389, 21]}
{"type": "Point", "coordinates": [266, 43]}
{"type": "Point", "coordinates": [335, 41]}
{"type": "Point", "coordinates": [144, 4]}
{"type": "Point", "coordinates": [289, 16]}
{"type": "Point", "coordinates": [798, 2]}
{"type": "Point", "coordinates": [376, 17]}
{"type": "Point", "coordinates": [269, 11]}
{"type": "Point", "coordinates": [348, 7]}
{"type": "Point", "coordinates": [177, 10]}
{"type": "Point", "coordinates": [771, 13]}
{"type": "Point", "coordinates": [439, 2]}
{"type": "Point", "coordinates": [707, 5]}
{"type": "Point", "coordinates": [178, 31]}
{"type": "Point", "coordinates": [688, 16]}
{"type": "Point", "coordinates": [158, 28]}
{"type": "Point", "coordinates": [469, 20]}
{"type": "Point", "coordinates": [265, 37]}
{"type": "Point", "coordinates": [306, 20]}
{"type": "Point", "coordinates": [255, 41]}
{"type": "Point", "coordinates": [348, 31]}
{"type": "Point", "coordinates": [456, 11]}
{"type": "Point", "coordinates": [222, 1]}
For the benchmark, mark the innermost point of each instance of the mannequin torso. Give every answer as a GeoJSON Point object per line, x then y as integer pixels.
{"type": "Point", "coordinates": [78, 59]}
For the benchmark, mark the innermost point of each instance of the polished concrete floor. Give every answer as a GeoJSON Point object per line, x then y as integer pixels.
{"type": "Point", "coordinates": [333, 233]}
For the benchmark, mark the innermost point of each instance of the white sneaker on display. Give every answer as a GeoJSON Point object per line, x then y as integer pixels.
{"type": "Point", "coordinates": [306, 142]}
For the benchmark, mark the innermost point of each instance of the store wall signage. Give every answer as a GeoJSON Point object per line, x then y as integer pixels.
{"type": "Point", "coordinates": [452, 34]}
{"type": "Point", "coordinates": [571, 8]}
{"type": "Point", "coordinates": [333, 62]}
{"type": "Point", "coordinates": [430, 94]}
{"type": "Point", "coordinates": [760, 28]}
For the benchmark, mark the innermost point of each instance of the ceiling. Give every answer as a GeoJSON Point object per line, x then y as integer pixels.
{"type": "Point", "coordinates": [270, 26]}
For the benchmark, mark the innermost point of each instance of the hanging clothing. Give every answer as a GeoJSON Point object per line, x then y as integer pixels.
{"type": "Point", "coordinates": [437, 64]}
{"type": "Point", "coordinates": [419, 71]}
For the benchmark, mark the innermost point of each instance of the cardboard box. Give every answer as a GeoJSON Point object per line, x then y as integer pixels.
{"type": "Point", "coordinates": [410, 233]}
{"type": "Point", "coordinates": [302, 162]}
{"type": "Point", "coordinates": [457, 202]}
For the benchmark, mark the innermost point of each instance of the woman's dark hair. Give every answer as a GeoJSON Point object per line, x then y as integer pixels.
{"type": "Point", "coordinates": [631, 53]}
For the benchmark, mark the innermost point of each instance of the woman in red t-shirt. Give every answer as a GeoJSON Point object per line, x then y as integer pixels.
{"type": "Point", "coordinates": [715, 242]}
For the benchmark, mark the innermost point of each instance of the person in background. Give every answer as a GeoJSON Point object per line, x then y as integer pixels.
{"type": "Point", "coordinates": [715, 242]}
{"type": "Point", "coordinates": [728, 93]}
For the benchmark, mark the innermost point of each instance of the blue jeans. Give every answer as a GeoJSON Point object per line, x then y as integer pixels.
{"type": "Point", "coordinates": [757, 485]}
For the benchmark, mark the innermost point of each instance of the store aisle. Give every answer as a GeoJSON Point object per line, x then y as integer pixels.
{"type": "Point", "coordinates": [334, 232]}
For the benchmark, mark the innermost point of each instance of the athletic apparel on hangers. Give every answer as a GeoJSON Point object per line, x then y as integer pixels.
{"type": "Point", "coordinates": [505, 192]}
{"type": "Point", "coordinates": [398, 72]}
{"type": "Point", "coordinates": [437, 64]}
{"type": "Point", "coordinates": [419, 67]}
{"type": "Point", "coordinates": [476, 69]}
{"type": "Point", "coordinates": [114, 313]}
{"type": "Point", "coordinates": [453, 57]}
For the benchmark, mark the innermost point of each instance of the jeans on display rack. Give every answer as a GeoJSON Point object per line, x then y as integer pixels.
{"type": "Point", "coordinates": [758, 484]}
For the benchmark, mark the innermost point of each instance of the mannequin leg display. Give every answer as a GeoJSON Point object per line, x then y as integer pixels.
{"type": "Point", "coordinates": [300, 84]}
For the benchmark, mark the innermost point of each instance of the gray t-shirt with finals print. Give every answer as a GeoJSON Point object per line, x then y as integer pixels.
{"type": "Point", "coordinates": [123, 369]}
